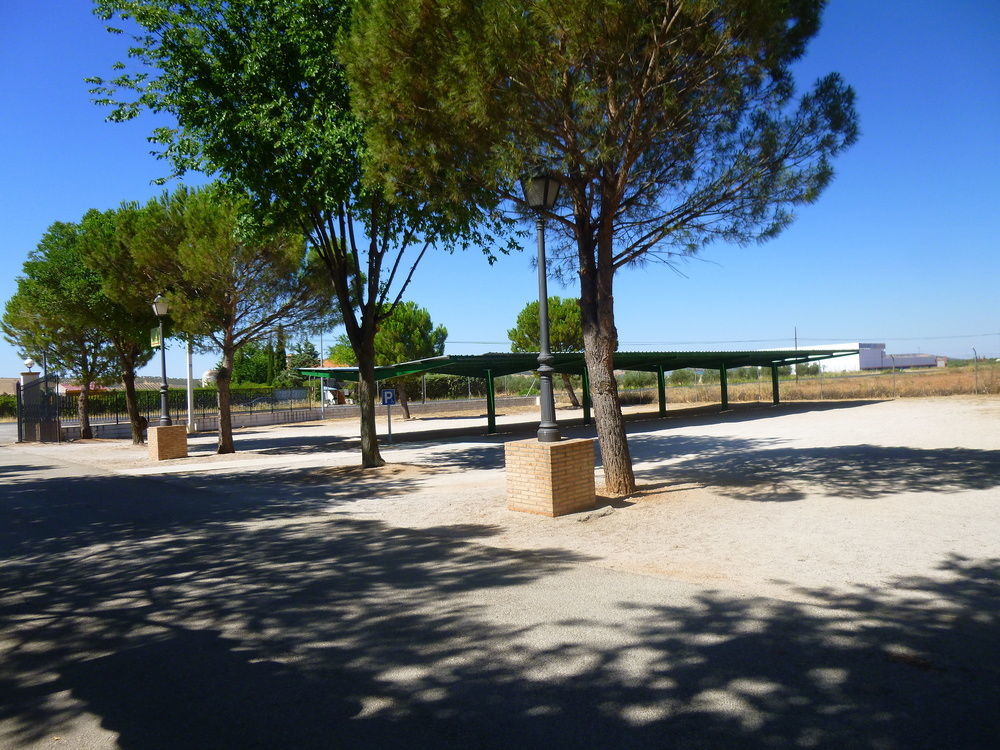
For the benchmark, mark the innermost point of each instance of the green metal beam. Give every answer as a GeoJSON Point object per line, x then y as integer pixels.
{"type": "Point", "coordinates": [491, 405]}
{"type": "Point", "coordinates": [661, 391]}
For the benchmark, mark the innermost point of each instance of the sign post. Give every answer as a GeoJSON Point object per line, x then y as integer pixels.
{"type": "Point", "coordinates": [388, 399]}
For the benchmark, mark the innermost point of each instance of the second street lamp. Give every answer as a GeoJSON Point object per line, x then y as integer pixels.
{"type": "Point", "coordinates": [160, 308]}
{"type": "Point", "coordinates": [540, 193]}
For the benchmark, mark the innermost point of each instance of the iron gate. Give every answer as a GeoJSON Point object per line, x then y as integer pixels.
{"type": "Point", "coordinates": [38, 411]}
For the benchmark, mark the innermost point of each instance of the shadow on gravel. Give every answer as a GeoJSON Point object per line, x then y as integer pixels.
{"type": "Point", "coordinates": [243, 628]}
{"type": "Point", "coordinates": [51, 515]}
{"type": "Point", "coordinates": [751, 470]}
{"type": "Point", "coordinates": [294, 445]}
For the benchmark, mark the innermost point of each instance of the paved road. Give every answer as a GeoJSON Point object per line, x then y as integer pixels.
{"type": "Point", "coordinates": [8, 432]}
{"type": "Point", "coordinates": [137, 612]}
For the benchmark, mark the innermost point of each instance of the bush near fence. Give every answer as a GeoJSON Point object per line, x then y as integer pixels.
{"type": "Point", "coordinates": [8, 406]}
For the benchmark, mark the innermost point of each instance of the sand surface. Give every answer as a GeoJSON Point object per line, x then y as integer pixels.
{"type": "Point", "coordinates": [784, 502]}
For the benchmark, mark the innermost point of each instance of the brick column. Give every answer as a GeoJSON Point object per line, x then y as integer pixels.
{"type": "Point", "coordinates": [167, 442]}
{"type": "Point", "coordinates": [550, 479]}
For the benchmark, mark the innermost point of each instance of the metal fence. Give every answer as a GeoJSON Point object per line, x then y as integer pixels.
{"type": "Point", "coordinates": [109, 406]}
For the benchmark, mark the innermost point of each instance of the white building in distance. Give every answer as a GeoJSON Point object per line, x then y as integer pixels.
{"type": "Point", "coordinates": [873, 357]}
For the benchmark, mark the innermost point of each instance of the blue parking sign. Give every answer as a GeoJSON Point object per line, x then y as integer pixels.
{"type": "Point", "coordinates": [388, 397]}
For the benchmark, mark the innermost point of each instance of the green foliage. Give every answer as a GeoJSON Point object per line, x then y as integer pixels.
{"type": "Point", "coordinates": [59, 310]}
{"type": "Point", "coordinates": [303, 354]}
{"type": "Point", "coordinates": [8, 406]}
{"type": "Point", "coordinates": [261, 98]}
{"type": "Point", "coordinates": [405, 335]}
{"type": "Point", "coordinates": [454, 387]}
{"type": "Point", "coordinates": [806, 369]}
{"type": "Point", "coordinates": [632, 379]}
{"type": "Point", "coordinates": [683, 377]}
{"type": "Point", "coordinates": [251, 364]}
{"type": "Point", "coordinates": [565, 327]}
{"type": "Point", "coordinates": [689, 109]}
{"type": "Point", "coordinates": [224, 284]}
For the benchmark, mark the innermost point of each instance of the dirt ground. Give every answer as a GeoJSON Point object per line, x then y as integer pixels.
{"type": "Point", "coordinates": [785, 501]}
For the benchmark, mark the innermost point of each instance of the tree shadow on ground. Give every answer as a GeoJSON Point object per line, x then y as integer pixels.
{"type": "Point", "coordinates": [262, 443]}
{"type": "Point", "coordinates": [269, 631]}
{"type": "Point", "coordinates": [60, 513]}
{"type": "Point", "coordinates": [752, 470]}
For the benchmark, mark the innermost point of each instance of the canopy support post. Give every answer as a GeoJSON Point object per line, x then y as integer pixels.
{"type": "Point", "coordinates": [775, 393]}
{"type": "Point", "coordinates": [491, 405]}
{"type": "Point", "coordinates": [586, 395]}
{"type": "Point", "coordinates": [661, 390]}
{"type": "Point", "coordinates": [724, 387]}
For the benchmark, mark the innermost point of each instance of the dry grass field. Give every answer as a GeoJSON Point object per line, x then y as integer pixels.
{"type": "Point", "coordinates": [945, 381]}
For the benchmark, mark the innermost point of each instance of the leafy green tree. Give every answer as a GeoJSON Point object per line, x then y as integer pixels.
{"type": "Point", "coordinates": [105, 243]}
{"type": "Point", "coordinates": [228, 287]}
{"type": "Point", "coordinates": [405, 335]}
{"type": "Point", "coordinates": [59, 313]}
{"type": "Point", "coordinates": [673, 124]}
{"type": "Point", "coordinates": [303, 354]}
{"type": "Point", "coordinates": [565, 332]}
{"type": "Point", "coordinates": [261, 99]}
{"type": "Point", "coordinates": [251, 364]}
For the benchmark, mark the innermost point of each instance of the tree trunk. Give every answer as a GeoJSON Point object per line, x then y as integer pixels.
{"type": "Point", "coordinates": [132, 404]}
{"type": "Point", "coordinates": [83, 410]}
{"type": "Point", "coordinates": [568, 384]}
{"type": "Point", "coordinates": [370, 455]}
{"type": "Point", "coordinates": [404, 399]}
{"type": "Point", "coordinates": [600, 340]}
{"type": "Point", "coordinates": [222, 382]}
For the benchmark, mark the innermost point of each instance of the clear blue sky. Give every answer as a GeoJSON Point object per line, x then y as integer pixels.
{"type": "Point", "coordinates": [903, 248]}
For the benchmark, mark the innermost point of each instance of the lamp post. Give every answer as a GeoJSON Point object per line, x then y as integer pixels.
{"type": "Point", "coordinates": [29, 363]}
{"type": "Point", "coordinates": [160, 308]}
{"type": "Point", "coordinates": [540, 193]}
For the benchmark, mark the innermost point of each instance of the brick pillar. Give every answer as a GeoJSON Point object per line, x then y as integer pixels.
{"type": "Point", "coordinates": [167, 442]}
{"type": "Point", "coordinates": [550, 479]}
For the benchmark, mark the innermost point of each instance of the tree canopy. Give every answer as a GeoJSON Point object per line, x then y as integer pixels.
{"type": "Point", "coordinates": [59, 313]}
{"type": "Point", "coordinates": [261, 98]}
{"type": "Point", "coordinates": [672, 125]}
{"type": "Point", "coordinates": [565, 329]}
{"type": "Point", "coordinates": [222, 283]}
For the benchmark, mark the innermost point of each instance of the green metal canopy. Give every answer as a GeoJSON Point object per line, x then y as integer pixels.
{"type": "Point", "coordinates": [508, 363]}
{"type": "Point", "coordinates": [497, 364]}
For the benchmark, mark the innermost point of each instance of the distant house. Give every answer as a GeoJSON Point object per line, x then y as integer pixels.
{"type": "Point", "coordinates": [8, 385]}
{"type": "Point", "coordinates": [72, 388]}
{"type": "Point", "coordinates": [873, 356]}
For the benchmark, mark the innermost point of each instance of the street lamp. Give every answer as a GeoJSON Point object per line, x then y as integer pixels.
{"type": "Point", "coordinates": [29, 363]}
{"type": "Point", "coordinates": [160, 308]}
{"type": "Point", "coordinates": [540, 192]}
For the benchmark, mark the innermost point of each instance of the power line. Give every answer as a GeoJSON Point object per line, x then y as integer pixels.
{"type": "Point", "coordinates": [775, 339]}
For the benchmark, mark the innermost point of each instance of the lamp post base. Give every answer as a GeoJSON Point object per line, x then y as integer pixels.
{"type": "Point", "coordinates": [166, 442]}
{"type": "Point", "coordinates": [550, 479]}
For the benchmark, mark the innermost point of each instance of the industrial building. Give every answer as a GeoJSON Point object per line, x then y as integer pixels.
{"type": "Point", "coordinates": [872, 356]}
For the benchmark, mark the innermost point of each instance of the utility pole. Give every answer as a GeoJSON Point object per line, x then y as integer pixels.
{"type": "Point", "coordinates": [796, 353]}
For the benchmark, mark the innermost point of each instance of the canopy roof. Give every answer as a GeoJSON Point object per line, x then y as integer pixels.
{"type": "Point", "coordinates": [496, 364]}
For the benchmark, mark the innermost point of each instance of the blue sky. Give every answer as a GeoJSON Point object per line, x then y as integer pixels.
{"type": "Point", "coordinates": [902, 248]}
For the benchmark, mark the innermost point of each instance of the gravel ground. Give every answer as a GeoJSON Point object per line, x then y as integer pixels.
{"type": "Point", "coordinates": [810, 575]}
{"type": "Point", "coordinates": [781, 502]}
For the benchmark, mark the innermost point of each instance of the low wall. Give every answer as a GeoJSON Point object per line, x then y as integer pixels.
{"type": "Point", "coordinates": [289, 416]}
